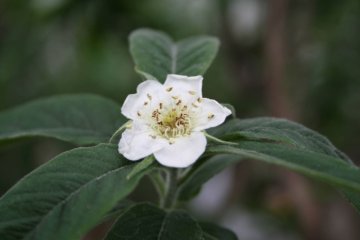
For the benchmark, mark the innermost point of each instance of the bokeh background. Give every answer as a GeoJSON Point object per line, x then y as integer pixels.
{"type": "Point", "coordinates": [297, 59]}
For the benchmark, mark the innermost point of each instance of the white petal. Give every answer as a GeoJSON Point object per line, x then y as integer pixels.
{"type": "Point", "coordinates": [183, 152]}
{"type": "Point", "coordinates": [135, 102]}
{"type": "Point", "coordinates": [185, 84]}
{"type": "Point", "coordinates": [137, 143]}
{"type": "Point", "coordinates": [210, 114]}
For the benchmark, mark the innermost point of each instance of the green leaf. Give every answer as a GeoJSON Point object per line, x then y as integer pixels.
{"type": "Point", "coordinates": [294, 146]}
{"type": "Point", "coordinates": [332, 170]}
{"type": "Point", "coordinates": [279, 131]}
{"type": "Point", "coordinates": [80, 119]}
{"type": "Point", "coordinates": [156, 55]}
{"type": "Point", "coordinates": [216, 232]}
{"type": "Point", "coordinates": [202, 171]}
{"type": "Point", "coordinates": [147, 222]}
{"type": "Point", "coordinates": [67, 196]}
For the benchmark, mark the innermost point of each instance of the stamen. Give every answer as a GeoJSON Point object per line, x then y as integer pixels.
{"type": "Point", "coordinates": [145, 103]}
{"type": "Point", "coordinates": [160, 105]}
{"type": "Point", "coordinates": [149, 97]}
{"type": "Point", "coordinates": [199, 100]}
{"type": "Point", "coordinates": [138, 113]}
{"type": "Point", "coordinates": [169, 89]}
{"type": "Point", "coordinates": [194, 105]}
{"type": "Point", "coordinates": [177, 104]}
{"type": "Point", "coordinates": [211, 116]}
{"type": "Point", "coordinates": [192, 92]}
{"type": "Point", "coordinates": [174, 97]}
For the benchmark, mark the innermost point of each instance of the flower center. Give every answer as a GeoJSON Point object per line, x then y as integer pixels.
{"type": "Point", "coordinates": [172, 122]}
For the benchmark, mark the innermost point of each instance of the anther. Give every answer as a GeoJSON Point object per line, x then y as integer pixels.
{"type": "Point", "coordinates": [199, 100]}
{"type": "Point", "coordinates": [169, 89]}
{"type": "Point", "coordinates": [138, 113]}
{"type": "Point", "coordinates": [177, 104]}
{"type": "Point", "coordinates": [149, 97]}
{"type": "Point", "coordinates": [145, 103]}
{"type": "Point", "coordinates": [211, 116]}
{"type": "Point", "coordinates": [160, 105]}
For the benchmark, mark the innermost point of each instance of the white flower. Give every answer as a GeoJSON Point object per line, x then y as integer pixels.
{"type": "Point", "coordinates": [168, 121]}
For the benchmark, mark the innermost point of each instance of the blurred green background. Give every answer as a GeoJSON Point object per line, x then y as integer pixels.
{"type": "Point", "coordinates": [297, 59]}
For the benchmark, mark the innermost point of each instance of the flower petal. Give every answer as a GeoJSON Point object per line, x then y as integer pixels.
{"type": "Point", "coordinates": [210, 114]}
{"type": "Point", "coordinates": [183, 152]}
{"type": "Point", "coordinates": [134, 102]}
{"type": "Point", "coordinates": [184, 84]}
{"type": "Point", "coordinates": [137, 142]}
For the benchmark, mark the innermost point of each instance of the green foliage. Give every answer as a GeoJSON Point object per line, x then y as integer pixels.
{"type": "Point", "coordinates": [293, 146]}
{"type": "Point", "coordinates": [80, 119]}
{"type": "Point", "coordinates": [156, 55]}
{"type": "Point", "coordinates": [68, 195]}
{"type": "Point", "coordinates": [145, 221]}
{"type": "Point", "coordinates": [213, 232]}
{"type": "Point", "coordinates": [202, 172]}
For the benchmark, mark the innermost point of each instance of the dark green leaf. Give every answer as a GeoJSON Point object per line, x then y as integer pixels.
{"type": "Point", "coordinates": [294, 146]}
{"type": "Point", "coordinates": [332, 170]}
{"type": "Point", "coordinates": [80, 119]}
{"type": "Point", "coordinates": [147, 222]}
{"type": "Point", "coordinates": [280, 131]}
{"type": "Point", "coordinates": [67, 196]}
{"type": "Point", "coordinates": [217, 232]}
{"type": "Point", "coordinates": [202, 172]}
{"type": "Point", "coordinates": [156, 55]}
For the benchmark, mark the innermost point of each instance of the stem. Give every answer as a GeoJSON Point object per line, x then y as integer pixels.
{"type": "Point", "coordinates": [159, 185]}
{"type": "Point", "coordinates": [171, 189]}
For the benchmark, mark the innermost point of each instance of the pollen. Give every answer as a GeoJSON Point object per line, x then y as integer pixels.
{"type": "Point", "coordinates": [173, 122]}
